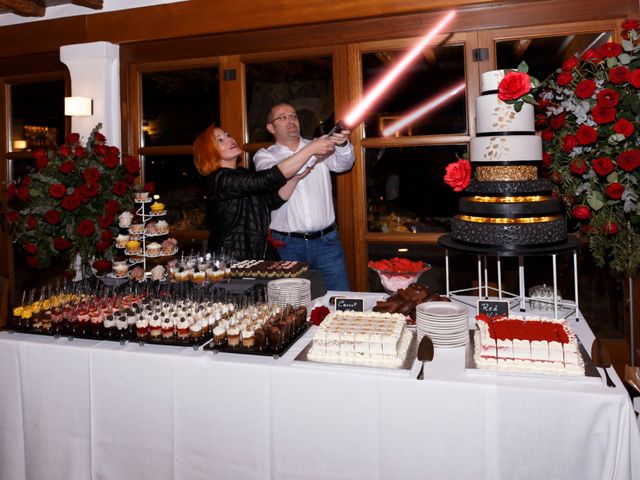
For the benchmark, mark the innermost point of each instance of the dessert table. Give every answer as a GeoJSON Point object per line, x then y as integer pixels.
{"type": "Point", "coordinates": [88, 409]}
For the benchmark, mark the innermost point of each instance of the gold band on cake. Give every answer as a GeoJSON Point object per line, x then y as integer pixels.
{"type": "Point", "coordinates": [501, 173]}
{"type": "Point", "coordinates": [470, 218]}
{"type": "Point", "coordinates": [529, 199]}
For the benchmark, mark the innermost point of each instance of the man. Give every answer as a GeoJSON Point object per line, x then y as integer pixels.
{"type": "Point", "coordinates": [305, 225]}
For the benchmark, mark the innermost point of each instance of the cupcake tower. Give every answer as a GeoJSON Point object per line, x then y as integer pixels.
{"type": "Point", "coordinates": [142, 240]}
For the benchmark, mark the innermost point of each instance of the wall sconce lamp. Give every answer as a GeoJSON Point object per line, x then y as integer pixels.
{"type": "Point", "coordinates": [19, 145]}
{"type": "Point", "coordinates": [78, 106]}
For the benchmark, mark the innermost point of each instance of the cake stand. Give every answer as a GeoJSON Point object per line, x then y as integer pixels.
{"type": "Point", "coordinates": [570, 246]}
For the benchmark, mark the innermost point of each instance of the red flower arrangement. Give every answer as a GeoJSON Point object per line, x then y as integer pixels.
{"type": "Point", "coordinates": [69, 203]}
{"type": "Point", "coordinates": [590, 122]}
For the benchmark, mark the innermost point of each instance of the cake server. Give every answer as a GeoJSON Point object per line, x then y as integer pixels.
{"type": "Point", "coordinates": [425, 354]}
{"type": "Point", "coordinates": [601, 359]}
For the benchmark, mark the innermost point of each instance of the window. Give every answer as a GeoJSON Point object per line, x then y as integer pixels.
{"type": "Point", "coordinates": [434, 73]}
{"type": "Point", "coordinates": [306, 84]}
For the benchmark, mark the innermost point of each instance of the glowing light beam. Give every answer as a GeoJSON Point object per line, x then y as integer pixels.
{"type": "Point", "coordinates": [422, 110]}
{"type": "Point", "coordinates": [354, 116]}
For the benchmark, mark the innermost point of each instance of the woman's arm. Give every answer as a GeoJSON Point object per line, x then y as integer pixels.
{"type": "Point", "coordinates": [288, 188]}
{"type": "Point", "coordinates": [319, 147]}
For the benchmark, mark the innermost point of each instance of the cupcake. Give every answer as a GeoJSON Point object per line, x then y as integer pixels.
{"type": "Point", "coordinates": [141, 196]}
{"type": "Point", "coordinates": [120, 269]}
{"type": "Point", "coordinates": [137, 273]}
{"type": "Point", "coordinates": [124, 220]}
{"type": "Point", "coordinates": [121, 240]}
{"type": "Point", "coordinates": [153, 249]}
{"type": "Point", "coordinates": [158, 272]}
{"type": "Point", "coordinates": [136, 229]}
{"type": "Point", "coordinates": [169, 246]}
{"type": "Point", "coordinates": [162, 227]}
{"type": "Point", "coordinates": [133, 246]}
{"type": "Point", "coordinates": [157, 207]}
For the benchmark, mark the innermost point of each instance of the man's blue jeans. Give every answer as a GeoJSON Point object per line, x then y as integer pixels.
{"type": "Point", "coordinates": [324, 254]}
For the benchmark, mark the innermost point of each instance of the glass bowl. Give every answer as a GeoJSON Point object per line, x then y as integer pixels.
{"type": "Point", "coordinates": [392, 281]}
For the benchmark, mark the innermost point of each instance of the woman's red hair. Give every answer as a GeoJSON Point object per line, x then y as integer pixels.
{"type": "Point", "coordinates": [206, 155]}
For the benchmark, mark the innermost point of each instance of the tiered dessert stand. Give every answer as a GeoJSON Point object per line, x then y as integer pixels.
{"type": "Point", "coordinates": [142, 236]}
{"type": "Point", "coordinates": [570, 246]}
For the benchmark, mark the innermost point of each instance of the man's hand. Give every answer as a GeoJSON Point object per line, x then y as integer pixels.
{"type": "Point", "coordinates": [323, 146]}
{"type": "Point", "coordinates": [340, 138]}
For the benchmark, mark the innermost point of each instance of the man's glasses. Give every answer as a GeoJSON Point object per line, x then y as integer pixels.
{"type": "Point", "coordinates": [290, 116]}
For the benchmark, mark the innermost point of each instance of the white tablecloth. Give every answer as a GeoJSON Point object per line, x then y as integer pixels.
{"type": "Point", "coordinates": [82, 409]}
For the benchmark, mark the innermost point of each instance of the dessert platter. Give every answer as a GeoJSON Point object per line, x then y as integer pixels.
{"type": "Point", "coordinates": [268, 269]}
{"type": "Point", "coordinates": [263, 329]}
{"type": "Point", "coordinates": [528, 345]}
{"type": "Point", "coordinates": [380, 341]}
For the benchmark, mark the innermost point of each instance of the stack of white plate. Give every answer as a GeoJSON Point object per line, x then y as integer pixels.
{"type": "Point", "coordinates": [446, 323]}
{"type": "Point", "coordinates": [292, 291]}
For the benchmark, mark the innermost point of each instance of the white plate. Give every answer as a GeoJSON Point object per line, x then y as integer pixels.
{"type": "Point", "coordinates": [441, 309]}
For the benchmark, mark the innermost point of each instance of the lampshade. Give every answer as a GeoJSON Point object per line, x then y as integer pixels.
{"type": "Point", "coordinates": [78, 106]}
{"type": "Point", "coordinates": [19, 144]}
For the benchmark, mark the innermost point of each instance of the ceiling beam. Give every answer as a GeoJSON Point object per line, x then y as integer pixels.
{"type": "Point", "coordinates": [95, 4]}
{"type": "Point", "coordinates": [26, 8]}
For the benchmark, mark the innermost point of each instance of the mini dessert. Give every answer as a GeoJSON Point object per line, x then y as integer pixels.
{"type": "Point", "coordinates": [124, 220]}
{"type": "Point", "coordinates": [155, 327]}
{"type": "Point", "coordinates": [169, 246]}
{"type": "Point", "coordinates": [120, 269]}
{"type": "Point", "coordinates": [248, 337]}
{"type": "Point", "coordinates": [183, 328]}
{"type": "Point", "coordinates": [162, 227]}
{"type": "Point", "coordinates": [109, 325]}
{"type": "Point", "coordinates": [133, 246]}
{"type": "Point", "coordinates": [121, 240]}
{"type": "Point", "coordinates": [199, 277]}
{"type": "Point", "coordinates": [136, 229]}
{"type": "Point", "coordinates": [141, 196]}
{"type": "Point", "coordinates": [137, 273]}
{"type": "Point", "coordinates": [167, 328]}
{"type": "Point", "coordinates": [153, 249]}
{"type": "Point", "coordinates": [195, 331]}
{"type": "Point", "coordinates": [142, 327]}
{"type": "Point", "coordinates": [219, 335]}
{"type": "Point", "coordinates": [233, 336]}
{"type": "Point", "coordinates": [158, 272]}
{"type": "Point", "coordinates": [157, 207]}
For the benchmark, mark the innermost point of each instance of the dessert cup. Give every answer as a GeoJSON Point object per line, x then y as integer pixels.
{"type": "Point", "coordinates": [392, 281]}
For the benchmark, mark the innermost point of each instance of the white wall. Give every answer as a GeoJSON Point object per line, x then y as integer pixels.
{"type": "Point", "coordinates": [72, 10]}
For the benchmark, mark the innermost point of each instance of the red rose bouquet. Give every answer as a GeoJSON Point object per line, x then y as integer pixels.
{"type": "Point", "coordinates": [69, 203]}
{"type": "Point", "coordinates": [589, 117]}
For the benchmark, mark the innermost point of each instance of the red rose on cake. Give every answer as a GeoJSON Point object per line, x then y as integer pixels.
{"type": "Point", "coordinates": [458, 175]}
{"type": "Point", "coordinates": [513, 86]}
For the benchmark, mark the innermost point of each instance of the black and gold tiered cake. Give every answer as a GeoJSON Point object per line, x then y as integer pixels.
{"type": "Point", "coordinates": [507, 204]}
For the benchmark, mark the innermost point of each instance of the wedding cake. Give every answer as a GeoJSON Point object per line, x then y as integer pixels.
{"type": "Point", "coordinates": [507, 204]}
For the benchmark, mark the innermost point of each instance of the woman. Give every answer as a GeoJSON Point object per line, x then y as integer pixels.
{"type": "Point", "coordinates": [239, 202]}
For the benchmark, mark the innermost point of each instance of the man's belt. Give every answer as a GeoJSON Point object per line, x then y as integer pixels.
{"type": "Point", "coordinates": [307, 235]}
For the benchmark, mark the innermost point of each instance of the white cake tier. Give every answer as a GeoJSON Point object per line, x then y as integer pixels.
{"type": "Point", "coordinates": [489, 81]}
{"type": "Point", "coordinates": [493, 115]}
{"type": "Point", "coordinates": [503, 148]}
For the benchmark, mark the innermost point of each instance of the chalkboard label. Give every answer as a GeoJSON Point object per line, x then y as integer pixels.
{"type": "Point", "coordinates": [349, 304]}
{"type": "Point", "coordinates": [493, 308]}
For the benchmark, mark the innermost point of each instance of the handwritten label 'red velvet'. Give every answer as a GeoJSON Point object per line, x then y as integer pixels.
{"type": "Point", "coordinates": [493, 308]}
{"type": "Point", "coordinates": [349, 304]}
